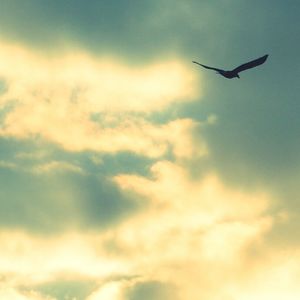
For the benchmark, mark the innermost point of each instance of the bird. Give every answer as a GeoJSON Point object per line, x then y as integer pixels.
{"type": "Point", "coordinates": [235, 72]}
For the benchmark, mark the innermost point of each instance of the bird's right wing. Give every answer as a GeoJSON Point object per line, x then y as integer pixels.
{"type": "Point", "coordinates": [251, 64]}
{"type": "Point", "coordinates": [207, 67]}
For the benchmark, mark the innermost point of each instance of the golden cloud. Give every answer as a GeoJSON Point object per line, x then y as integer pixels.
{"type": "Point", "coordinates": [200, 233]}
{"type": "Point", "coordinates": [188, 208]}
{"type": "Point", "coordinates": [195, 234]}
{"type": "Point", "coordinates": [59, 98]}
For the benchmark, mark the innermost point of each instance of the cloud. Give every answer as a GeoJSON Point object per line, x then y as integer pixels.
{"type": "Point", "coordinates": [66, 287]}
{"type": "Point", "coordinates": [133, 30]}
{"type": "Point", "coordinates": [68, 231]}
{"type": "Point", "coordinates": [189, 236]}
{"type": "Point", "coordinates": [57, 166]}
{"type": "Point", "coordinates": [152, 290]}
{"type": "Point", "coordinates": [13, 294]}
{"type": "Point", "coordinates": [104, 83]}
{"type": "Point", "coordinates": [111, 290]}
{"type": "Point", "coordinates": [277, 279]}
{"type": "Point", "coordinates": [33, 260]}
{"type": "Point", "coordinates": [55, 197]}
{"type": "Point", "coordinates": [81, 102]}
{"type": "Point", "coordinates": [7, 164]}
{"type": "Point", "coordinates": [204, 212]}
{"type": "Point", "coordinates": [134, 289]}
{"type": "Point", "coordinates": [191, 225]}
{"type": "Point", "coordinates": [171, 182]}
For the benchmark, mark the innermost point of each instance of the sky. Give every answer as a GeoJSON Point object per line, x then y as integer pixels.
{"type": "Point", "coordinates": [127, 172]}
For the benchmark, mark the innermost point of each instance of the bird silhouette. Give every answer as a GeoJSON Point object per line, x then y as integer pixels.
{"type": "Point", "coordinates": [235, 72]}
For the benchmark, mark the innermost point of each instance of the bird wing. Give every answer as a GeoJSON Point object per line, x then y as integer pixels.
{"type": "Point", "coordinates": [251, 64]}
{"type": "Point", "coordinates": [207, 67]}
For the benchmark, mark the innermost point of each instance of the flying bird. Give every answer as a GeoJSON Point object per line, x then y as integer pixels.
{"type": "Point", "coordinates": [235, 72]}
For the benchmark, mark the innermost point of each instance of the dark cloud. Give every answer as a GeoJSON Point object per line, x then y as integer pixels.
{"type": "Point", "coordinates": [137, 30]}
{"type": "Point", "coordinates": [10, 148]}
{"type": "Point", "coordinates": [257, 133]}
{"type": "Point", "coordinates": [3, 86]}
{"type": "Point", "coordinates": [78, 289]}
{"type": "Point", "coordinates": [152, 290]}
{"type": "Point", "coordinates": [59, 200]}
{"type": "Point", "coordinates": [120, 27]}
{"type": "Point", "coordinates": [255, 141]}
{"type": "Point", "coordinates": [141, 29]}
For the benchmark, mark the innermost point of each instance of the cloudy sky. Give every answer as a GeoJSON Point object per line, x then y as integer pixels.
{"type": "Point", "coordinates": [127, 172]}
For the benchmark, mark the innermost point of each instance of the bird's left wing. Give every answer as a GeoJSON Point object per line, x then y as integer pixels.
{"type": "Point", "coordinates": [207, 67]}
{"type": "Point", "coordinates": [251, 64]}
